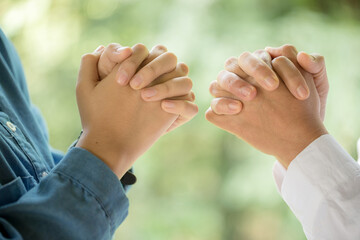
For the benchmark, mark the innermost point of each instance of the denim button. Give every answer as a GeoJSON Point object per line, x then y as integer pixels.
{"type": "Point", "coordinates": [44, 174]}
{"type": "Point", "coordinates": [11, 126]}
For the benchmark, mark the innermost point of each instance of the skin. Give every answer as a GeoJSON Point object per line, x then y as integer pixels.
{"type": "Point", "coordinates": [172, 88]}
{"type": "Point", "coordinates": [275, 122]}
{"type": "Point", "coordinates": [313, 64]}
{"type": "Point", "coordinates": [113, 54]}
{"type": "Point", "coordinates": [119, 133]}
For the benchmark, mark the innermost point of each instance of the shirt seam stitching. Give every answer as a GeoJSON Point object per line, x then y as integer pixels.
{"type": "Point", "coordinates": [17, 142]}
{"type": "Point", "coordinates": [91, 193]}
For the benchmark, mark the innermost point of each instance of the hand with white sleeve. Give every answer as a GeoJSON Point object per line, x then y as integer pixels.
{"type": "Point", "coordinates": [321, 182]}
{"type": "Point", "coordinates": [258, 70]}
{"type": "Point", "coordinates": [275, 122]}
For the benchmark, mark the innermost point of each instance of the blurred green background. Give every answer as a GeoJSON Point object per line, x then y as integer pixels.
{"type": "Point", "coordinates": [197, 182]}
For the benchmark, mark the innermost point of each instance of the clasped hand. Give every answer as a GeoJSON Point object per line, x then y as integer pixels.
{"type": "Point", "coordinates": [274, 99]}
{"type": "Point", "coordinates": [128, 98]}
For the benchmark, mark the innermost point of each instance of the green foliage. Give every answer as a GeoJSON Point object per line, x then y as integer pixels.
{"type": "Point", "coordinates": [197, 182]}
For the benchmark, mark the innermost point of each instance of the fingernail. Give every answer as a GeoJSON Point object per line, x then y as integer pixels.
{"type": "Point", "coordinates": [148, 93]}
{"type": "Point", "coordinates": [245, 91]}
{"type": "Point", "coordinates": [312, 58]}
{"type": "Point", "coordinates": [270, 83]}
{"type": "Point", "coordinates": [169, 105]}
{"type": "Point", "coordinates": [122, 77]}
{"type": "Point", "coordinates": [99, 48]}
{"type": "Point", "coordinates": [136, 81]}
{"type": "Point", "coordinates": [302, 92]}
{"type": "Point", "coordinates": [234, 106]}
{"type": "Point", "coordinates": [119, 49]}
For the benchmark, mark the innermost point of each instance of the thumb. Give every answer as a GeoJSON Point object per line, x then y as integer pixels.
{"type": "Point", "coordinates": [112, 55]}
{"type": "Point", "coordinates": [314, 64]}
{"type": "Point", "coordinates": [88, 73]}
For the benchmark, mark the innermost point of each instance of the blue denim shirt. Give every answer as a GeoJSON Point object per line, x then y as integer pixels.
{"type": "Point", "coordinates": [43, 194]}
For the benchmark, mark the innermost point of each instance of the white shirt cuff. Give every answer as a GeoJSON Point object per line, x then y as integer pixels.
{"type": "Point", "coordinates": [279, 171]}
{"type": "Point", "coordinates": [323, 172]}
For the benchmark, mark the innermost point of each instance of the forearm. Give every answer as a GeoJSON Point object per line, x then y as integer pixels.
{"type": "Point", "coordinates": [80, 199]}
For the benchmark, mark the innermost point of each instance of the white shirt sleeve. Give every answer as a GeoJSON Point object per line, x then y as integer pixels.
{"type": "Point", "coordinates": [322, 187]}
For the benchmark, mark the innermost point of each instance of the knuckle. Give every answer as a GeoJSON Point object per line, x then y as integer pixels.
{"type": "Point", "coordinates": [224, 80]}
{"type": "Point", "coordinates": [113, 45]}
{"type": "Point", "coordinates": [259, 67]}
{"type": "Point", "coordinates": [182, 106]}
{"type": "Point", "coordinates": [282, 58]}
{"type": "Point", "coordinates": [230, 61]}
{"type": "Point", "coordinates": [228, 82]}
{"type": "Point", "coordinates": [151, 70]}
{"type": "Point", "coordinates": [214, 103]}
{"type": "Point", "coordinates": [209, 115]}
{"type": "Point", "coordinates": [129, 65]}
{"type": "Point", "coordinates": [295, 76]}
{"type": "Point", "coordinates": [108, 51]}
{"type": "Point", "coordinates": [188, 83]}
{"type": "Point", "coordinates": [320, 58]}
{"type": "Point", "coordinates": [213, 117]}
{"type": "Point", "coordinates": [183, 68]}
{"type": "Point", "coordinates": [279, 60]}
{"type": "Point", "coordinates": [263, 55]}
{"type": "Point", "coordinates": [289, 48]}
{"type": "Point", "coordinates": [192, 97]}
{"type": "Point", "coordinates": [171, 57]}
{"type": "Point", "coordinates": [245, 55]}
{"type": "Point", "coordinates": [221, 106]}
{"type": "Point", "coordinates": [87, 57]}
{"type": "Point", "coordinates": [167, 88]}
{"type": "Point", "coordinates": [195, 109]}
{"type": "Point", "coordinates": [140, 47]}
{"type": "Point", "coordinates": [221, 75]}
{"type": "Point", "coordinates": [259, 52]}
{"type": "Point", "coordinates": [213, 87]}
{"type": "Point", "coordinates": [160, 47]}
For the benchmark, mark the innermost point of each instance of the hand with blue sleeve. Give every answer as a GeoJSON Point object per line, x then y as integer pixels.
{"type": "Point", "coordinates": [82, 198]}
{"type": "Point", "coordinates": [118, 125]}
{"type": "Point", "coordinates": [173, 88]}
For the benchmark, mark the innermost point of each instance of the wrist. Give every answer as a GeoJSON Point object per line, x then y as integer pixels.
{"type": "Point", "coordinates": [112, 156]}
{"type": "Point", "coordinates": [303, 140]}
